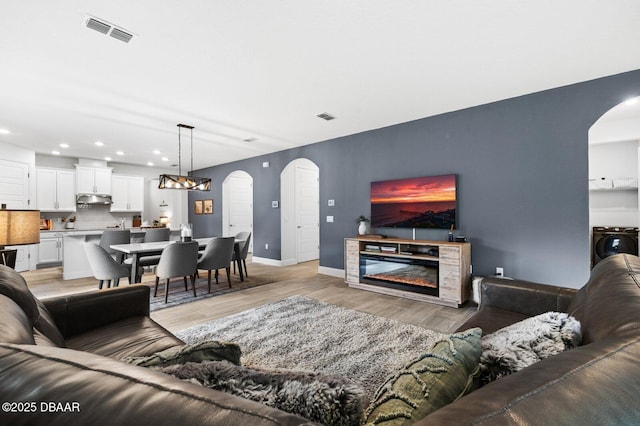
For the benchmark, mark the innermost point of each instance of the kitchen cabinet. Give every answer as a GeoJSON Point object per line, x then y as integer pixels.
{"type": "Point", "coordinates": [93, 180]}
{"type": "Point", "coordinates": [127, 193]}
{"type": "Point", "coordinates": [50, 248]}
{"type": "Point", "coordinates": [55, 190]}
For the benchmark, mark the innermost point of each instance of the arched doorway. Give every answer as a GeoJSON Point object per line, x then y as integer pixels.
{"type": "Point", "coordinates": [237, 202]}
{"type": "Point", "coordinates": [300, 212]}
{"type": "Point", "coordinates": [614, 152]}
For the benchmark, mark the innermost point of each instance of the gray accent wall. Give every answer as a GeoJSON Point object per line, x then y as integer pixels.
{"type": "Point", "coordinates": [522, 167]}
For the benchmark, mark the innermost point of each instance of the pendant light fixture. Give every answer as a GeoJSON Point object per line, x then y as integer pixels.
{"type": "Point", "coordinates": [179, 181]}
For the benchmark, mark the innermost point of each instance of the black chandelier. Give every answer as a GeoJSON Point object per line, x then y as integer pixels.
{"type": "Point", "coordinates": [180, 181]}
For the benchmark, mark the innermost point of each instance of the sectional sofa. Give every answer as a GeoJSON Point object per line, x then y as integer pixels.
{"type": "Point", "coordinates": [61, 360]}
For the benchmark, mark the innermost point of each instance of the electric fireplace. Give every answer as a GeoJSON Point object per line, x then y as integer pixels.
{"type": "Point", "coordinates": [402, 273]}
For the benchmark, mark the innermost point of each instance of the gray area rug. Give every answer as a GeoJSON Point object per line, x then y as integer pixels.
{"type": "Point", "coordinates": [178, 295]}
{"type": "Point", "coordinates": [304, 334]}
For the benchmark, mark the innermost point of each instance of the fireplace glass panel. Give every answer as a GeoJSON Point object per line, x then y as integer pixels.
{"type": "Point", "coordinates": [418, 275]}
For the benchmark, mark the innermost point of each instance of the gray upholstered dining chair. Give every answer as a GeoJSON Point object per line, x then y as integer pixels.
{"type": "Point", "coordinates": [104, 267]}
{"type": "Point", "coordinates": [177, 260]}
{"type": "Point", "coordinates": [151, 236]}
{"type": "Point", "coordinates": [115, 236]}
{"type": "Point", "coordinates": [217, 255]}
{"type": "Point", "coordinates": [157, 234]}
{"type": "Point", "coordinates": [243, 251]}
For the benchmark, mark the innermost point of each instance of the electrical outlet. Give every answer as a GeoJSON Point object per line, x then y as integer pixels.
{"type": "Point", "coordinates": [266, 246]}
{"type": "Point", "coordinates": [499, 271]}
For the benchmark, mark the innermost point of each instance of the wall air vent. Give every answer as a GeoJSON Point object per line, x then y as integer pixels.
{"type": "Point", "coordinates": [326, 116]}
{"type": "Point", "coordinates": [107, 28]}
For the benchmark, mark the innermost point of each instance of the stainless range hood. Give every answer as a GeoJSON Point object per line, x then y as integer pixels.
{"type": "Point", "coordinates": [94, 199]}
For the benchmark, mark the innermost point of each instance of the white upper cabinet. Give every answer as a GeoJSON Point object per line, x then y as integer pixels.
{"type": "Point", "coordinates": [127, 193]}
{"type": "Point", "coordinates": [56, 190]}
{"type": "Point", "coordinates": [93, 180]}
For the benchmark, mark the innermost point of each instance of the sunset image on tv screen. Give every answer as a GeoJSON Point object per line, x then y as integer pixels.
{"type": "Point", "coordinates": [425, 202]}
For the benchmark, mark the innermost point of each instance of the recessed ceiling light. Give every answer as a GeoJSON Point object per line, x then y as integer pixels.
{"type": "Point", "coordinates": [64, 145]}
{"type": "Point", "coordinates": [98, 143]}
{"type": "Point", "coordinates": [631, 101]}
{"type": "Point", "coordinates": [55, 152]}
{"type": "Point", "coordinates": [107, 158]}
{"type": "Point", "coordinates": [119, 153]}
{"type": "Point", "coordinates": [4, 132]}
{"type": "Point", "coordinates": [165, 159]}
{"type": "Point", "coordinates": [149, 163]}
{"type": "Point", "coordinates": [156, 152]}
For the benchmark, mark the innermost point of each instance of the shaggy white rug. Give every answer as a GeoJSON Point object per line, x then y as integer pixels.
{"type": "Point", "coordinates": [300, 333]}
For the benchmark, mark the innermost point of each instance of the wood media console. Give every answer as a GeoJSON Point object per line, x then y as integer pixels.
{"type": "Point", "coordinates": [429, 271]}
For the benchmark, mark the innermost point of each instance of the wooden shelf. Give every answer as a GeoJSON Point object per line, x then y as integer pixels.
{"type": "Point", "coordinates": [401, 255]}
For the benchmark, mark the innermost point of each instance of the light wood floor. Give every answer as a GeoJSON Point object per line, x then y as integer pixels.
{"type": "Point", "coordinates": [301, 279]}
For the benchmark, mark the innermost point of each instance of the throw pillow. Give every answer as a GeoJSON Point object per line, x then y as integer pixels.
{"type": "Point", "coordinates": [197, 352]}
{"type": "Point", "coordinates": [319, 398]}
{"type": "Point", "coordinates": [429, 382]}
{"type": "Point", "coordinates": [519, 345]}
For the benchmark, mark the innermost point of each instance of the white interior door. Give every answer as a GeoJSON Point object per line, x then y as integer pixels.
{"type": "Point", "coordinates": [307, 214]}
{"type": "Point", "coordinates": [239, 206]}
{"type": "Point", "coordinates": [14, 192]}
{"type": "Point", "coordinates": [14, 184]}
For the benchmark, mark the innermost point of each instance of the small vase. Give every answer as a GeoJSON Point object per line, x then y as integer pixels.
{"type": "Point", "coordinates": [362, 228]}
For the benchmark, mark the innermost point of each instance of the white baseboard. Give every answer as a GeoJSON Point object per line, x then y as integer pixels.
{"type": "Point", "coordinates": [324, 270]}
{"type": "Point", "coordinates": [288, 262]}
{"type": "Point", "coordinates": [334, 272]}
{"type": "Point", "coordinates": [267, 261]}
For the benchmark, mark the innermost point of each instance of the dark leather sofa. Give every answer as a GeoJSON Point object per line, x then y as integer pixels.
{"type": "Point", "coordinates": [60, 365]}
{"type": "Point", "coordinates": [597, 383]}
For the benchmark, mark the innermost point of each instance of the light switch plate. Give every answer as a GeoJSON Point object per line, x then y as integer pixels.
{"type": "Point", "coordinates": [331, 203]}
{"type": "Point", "coordinates": [330, 219]}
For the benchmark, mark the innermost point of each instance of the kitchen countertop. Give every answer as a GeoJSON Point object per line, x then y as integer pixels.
{"type": "Point", "coordinates": [93, 231]}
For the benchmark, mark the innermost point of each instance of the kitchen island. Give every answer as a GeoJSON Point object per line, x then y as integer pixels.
{"type": "Point", "coordinates": [74, 261]}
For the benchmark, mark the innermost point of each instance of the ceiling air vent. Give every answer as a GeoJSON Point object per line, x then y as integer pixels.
{"type": "Point", "coordinates": [104, 27]}
{"type": "Point", "coordinates": [121, 35]}
{"type": "Point", "coordinates": [100, 27]}
{"type": "Point", "coordinates": [326, 116]}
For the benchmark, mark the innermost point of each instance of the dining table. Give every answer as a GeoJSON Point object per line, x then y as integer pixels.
{"type": "Point", "coordinates": [138, 250]}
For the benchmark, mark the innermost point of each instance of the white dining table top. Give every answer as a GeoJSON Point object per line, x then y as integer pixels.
{"type": "Point", "coordinates": [155, 246]}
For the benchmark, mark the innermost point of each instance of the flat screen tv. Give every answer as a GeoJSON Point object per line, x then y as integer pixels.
{"type": "Point", "coordinates": [423, 202]}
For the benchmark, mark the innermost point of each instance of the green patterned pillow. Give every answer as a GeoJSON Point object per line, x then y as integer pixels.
{"type": "Point", "coordinates": [429, 382]}
{"type": "Point", "coordinates": [203, 351]}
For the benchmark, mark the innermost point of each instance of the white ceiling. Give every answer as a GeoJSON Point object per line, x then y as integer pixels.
{"type": "Point", "coordinates": [264, 68]}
